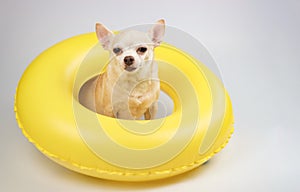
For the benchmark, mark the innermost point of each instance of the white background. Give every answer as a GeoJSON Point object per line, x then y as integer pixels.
{"type": "Point", "coordinates": [257, 46]}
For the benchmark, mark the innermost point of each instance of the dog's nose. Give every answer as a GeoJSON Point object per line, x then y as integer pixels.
{"type": "Point", "coordinates": [128, 60]}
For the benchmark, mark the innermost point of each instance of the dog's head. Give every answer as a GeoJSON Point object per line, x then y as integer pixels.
{"type": "Point", "coordinates": [132, 50]}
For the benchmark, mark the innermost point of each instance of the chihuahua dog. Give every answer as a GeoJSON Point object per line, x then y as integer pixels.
{"type": "Point", "coordinates": [129, 88]}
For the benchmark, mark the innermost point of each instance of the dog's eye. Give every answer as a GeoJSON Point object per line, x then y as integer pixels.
{"type": "Point", "coordinates": [117, 50]}
{"type": "Point", "coordinates": [141, 50]}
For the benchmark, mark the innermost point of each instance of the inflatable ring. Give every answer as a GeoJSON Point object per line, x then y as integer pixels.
{"type": "Point", "coordinates": [50, 116]}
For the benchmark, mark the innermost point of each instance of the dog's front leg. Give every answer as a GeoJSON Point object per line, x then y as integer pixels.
{"type": "Point", "coordinates": [151, 111]}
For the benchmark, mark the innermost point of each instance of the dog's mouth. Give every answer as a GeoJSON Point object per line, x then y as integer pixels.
{"type": "Point", "coordinates": [130, 69]}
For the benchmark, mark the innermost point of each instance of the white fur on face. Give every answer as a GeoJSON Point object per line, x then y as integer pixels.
{"type": "Point", "coordinates": [140, 60]}
{"type": "Point", "coordinates": [129, 42]}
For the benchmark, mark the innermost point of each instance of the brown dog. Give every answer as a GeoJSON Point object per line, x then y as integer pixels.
{"type": "Point", "coordinates": [130, 87]}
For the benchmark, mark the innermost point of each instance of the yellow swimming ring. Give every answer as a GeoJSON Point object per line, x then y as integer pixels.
{"type": "Point", "coordinates": [50, 116]}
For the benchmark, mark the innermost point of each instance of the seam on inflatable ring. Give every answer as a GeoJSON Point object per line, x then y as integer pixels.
{"type": "Point", "coordinates": [159, 172]}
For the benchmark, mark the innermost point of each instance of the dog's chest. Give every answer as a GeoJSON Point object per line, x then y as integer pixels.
{"type": "Point", "coordinates": [127, 88]}
{"type": "Point", "coordinates": [132, 98]}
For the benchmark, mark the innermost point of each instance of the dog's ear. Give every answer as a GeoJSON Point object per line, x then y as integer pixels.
{"type": "Point", "coordinates": [157, 32]}
{"type": "Point", "coordinates": [104, 35]}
